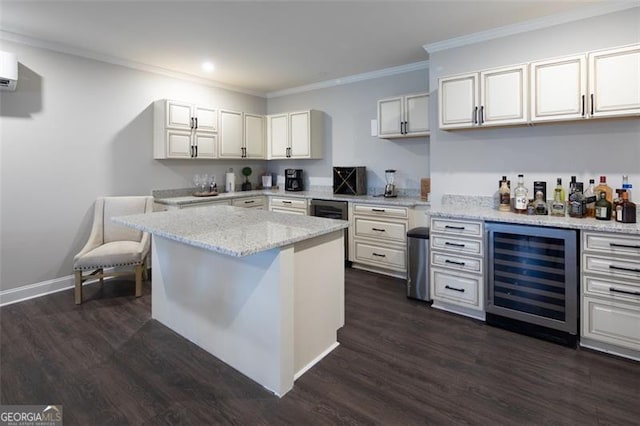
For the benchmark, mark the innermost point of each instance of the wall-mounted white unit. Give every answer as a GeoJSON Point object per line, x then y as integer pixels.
{"type": "Point", "coordinates": [8, 71]}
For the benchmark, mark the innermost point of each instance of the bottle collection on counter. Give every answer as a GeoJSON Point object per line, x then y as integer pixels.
{"type": "Point", "coordinates": [593, 202]}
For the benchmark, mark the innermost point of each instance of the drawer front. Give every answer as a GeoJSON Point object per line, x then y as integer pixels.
{"type": "Point", "coordinates": [613, 289]}
{"type": "Point", "coordinates": [392, 231]}
{"type": "Point", "coordinates": [454, 262]}
{"type": "Point", "coordinates": [456, 227]}
{"type": "Point", "coordinates": [455, 288]}
{"type": "Point", "coordinates": [611, 322]}
{"type": "Point", "coordinates": [207, 203]}
{"type": "Point", "coordinates": [384, 211]}
{"type": "Point", "coordinates": [289, 202]}
{"type": "Point", "coordinates": [289, 211]}
{"type": "Point", "coordinates": [622, 268]}
{"type": "Point", "coordinates": [384, 256]}
{"type": "Point", "coordinates": [458, 245]}
{"type": "Point", "coordinates": [248, 202]}
{"type": "Point", "coordinates": [615, 244]}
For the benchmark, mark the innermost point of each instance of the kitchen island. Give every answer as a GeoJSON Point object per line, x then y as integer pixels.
{"type": "Point", "coordinates": [261, 291]}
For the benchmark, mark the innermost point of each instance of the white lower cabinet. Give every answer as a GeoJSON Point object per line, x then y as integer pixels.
{"type": "Point", "coordinates": [456, 266]}
{"type": "Point", "coordinates": [610, 293]}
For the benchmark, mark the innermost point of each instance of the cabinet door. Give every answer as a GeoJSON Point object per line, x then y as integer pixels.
{"type": "Point", "coordinates": [207, 119]}
{"type": "Point", "coordinates": [206, 145]}
{"type": "Point", "coordinates": [299, 134]}
{"type": "Point", "coordinates": [614, 82]}
{"type": "Point", "coordinates": [254, 136]}
{"type": "Point", "coordinates": [230, 134]}
{"type": "Point", "coordinates": [417, 114]}
{"type": "Point", "coordinates": [458, 101]}
{"type": "Point", "coordinates": [504, 96]}
{"type": "Point", "coordinates": [178, 143]}
{"type": "Point", "coordinates": [390, 117]}
{"type": "Point", "coordinates": [559, 89]}
{"type": "Point", "coordinates": [277, 135]}
{"type": "Point", "coordinates": [178, 115]}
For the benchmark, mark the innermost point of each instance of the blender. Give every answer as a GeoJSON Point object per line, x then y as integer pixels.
{"type": "Point", "coordinates": [390, 187]}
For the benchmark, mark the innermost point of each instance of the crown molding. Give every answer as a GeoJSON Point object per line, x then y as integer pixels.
{"type": "Point", "coordinates": [62, 48]}
{"type": "Point", "coordinates": [401, 69]}
{"type": "Point", "coordinates": [532, 25]}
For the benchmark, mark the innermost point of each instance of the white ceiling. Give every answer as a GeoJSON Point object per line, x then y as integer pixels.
{"type": "Point", "coordinates": [265, 46]}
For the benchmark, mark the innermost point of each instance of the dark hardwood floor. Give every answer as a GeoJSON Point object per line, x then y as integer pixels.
{"type": "Point", "coordinates": [399, 362]}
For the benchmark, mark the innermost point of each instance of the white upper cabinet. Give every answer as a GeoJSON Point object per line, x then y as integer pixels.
{"type": "Point", "coordinates": [254, 136]}
{"type": "Point", "coordinates": [404, 116]}
{"type": "Point", "coordinates": [496, 97]}
{"type": "Point", "coordinates": [559, 89]}
{"type": "Point", "coordinates": [295, 135]}
{"type": "Point", "coordinates": [184, 130]}
{"type": "Point", "coordinates": [614, 82]}
{"type": "Point", "coordinates": [231, 142]}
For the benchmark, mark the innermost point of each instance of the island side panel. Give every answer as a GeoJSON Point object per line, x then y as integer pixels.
{"type": "Point", "coordinates": [318, 298]}
{"type": "Point", "coordinates": [239, 309]}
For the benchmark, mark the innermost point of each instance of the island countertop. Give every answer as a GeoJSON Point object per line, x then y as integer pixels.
{"type": "Point", "coordinates": [234, 231]}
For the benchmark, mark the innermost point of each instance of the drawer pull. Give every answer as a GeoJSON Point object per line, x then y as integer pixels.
{"type": "Point", "coordinates": [378, 210]}
{"type": "Point", "coordinates": [624, 246]}
{"type": "Point", "coordinates": [448, 287]}
{"type": "Point", "coordinates": [447, 243]}
{"type": "Point", "coordinates": [459, 228]}
{"type": "Point", "coordinates": [378, 229]}
{"type": "Point", "coordinates": [250, 201]}
{"type": "Point", "coordinates": [379, 255]}
{"type": "Point", "coordinates": [454, 262]}
{"type": "Point", "coordinates": [620, 268]}
{"type": "Point", "coordinates": [286, 202]}
{"type": "Point", "coordinates": [617, 290]}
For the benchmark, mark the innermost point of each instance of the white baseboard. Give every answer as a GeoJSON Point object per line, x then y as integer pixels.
{"type": "Point", "coordinates": [30, 291]}
{"type": "Point", "coordinates": [315, 360]}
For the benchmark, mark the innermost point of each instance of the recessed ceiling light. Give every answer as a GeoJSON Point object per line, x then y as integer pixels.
{"type": "Point", "coordinates": [208, 66]}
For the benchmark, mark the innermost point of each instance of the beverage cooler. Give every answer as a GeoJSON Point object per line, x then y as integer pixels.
{"type": "Point", "coordinates": [533, 281]}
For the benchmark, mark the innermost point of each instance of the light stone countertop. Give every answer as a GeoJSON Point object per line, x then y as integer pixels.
{"type": "Point", "coordinates": [493, 215]}
{"type": "Point", "coordinates": [234, 231]}
{"type": "Point", "coordinates": [319, 194]}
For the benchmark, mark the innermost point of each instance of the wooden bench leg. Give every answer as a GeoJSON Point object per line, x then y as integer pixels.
{"type": "Point", "coordinates": [139, 269]}
{"type": "Point", "coordinates": [78, 292]}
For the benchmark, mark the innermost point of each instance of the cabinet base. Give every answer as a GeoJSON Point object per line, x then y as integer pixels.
{"type": "Point", "coordinates": [596, 345]}
{"type": "Point", "coordinates": [533, 330]}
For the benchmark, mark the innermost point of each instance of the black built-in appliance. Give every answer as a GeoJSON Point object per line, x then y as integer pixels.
{"type": "Point", "coordinates": [533, 281]}
{"type": "Point", "coordinates": [333, 210]}
{"type": "Point", "coordinates": [293, 180]}
{"type": "Point", "coordinates": [350, 180]}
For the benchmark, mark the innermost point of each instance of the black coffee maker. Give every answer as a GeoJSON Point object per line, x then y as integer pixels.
{"type": "Point", "coordinates": [293, 180]}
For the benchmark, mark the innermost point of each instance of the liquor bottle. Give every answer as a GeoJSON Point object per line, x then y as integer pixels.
{"type": "Point", "coordinates": [505, 196]}
{"type": "Point", "coordinates": [557, 205]}
{"type": "Point", "coordinates": [590, 199]}
{"type": "Point", "coordinates": [603, 207]}
{"type": "Point", "coordinates": [626, 211]}
{"type": "Point", "coordinates": [576, 205]}
{"type": "Point", "coordinates": [606, 188]}
{"type": "Point", "coordinates": [540, 205]}
{"type": "Point", "coordinates": [520, 196]}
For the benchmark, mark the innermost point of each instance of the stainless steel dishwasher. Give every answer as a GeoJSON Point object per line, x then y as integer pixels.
{"type": "Point", "coordinates": [418, 264]}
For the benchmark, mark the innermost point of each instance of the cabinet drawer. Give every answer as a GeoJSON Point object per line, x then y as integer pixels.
{"type": "Point", "coordinates": [384, 230]}
{"type": "Point", "coordinates": [386, 256]}
{"type": "Point", "coordinates": [248, 202]}
{"type": "Point", "coordinates": [455, 262]}
{"type": "Point", "coordinates": [457, 227]}
{"type": "Point", "coordinates": [613, 289]}
{"type": "Point", "coordinates": [289, 211]}
{"type": "Point", "coordinates": [457, 245]}
{"type": "Point", "coordinates": [207, 203]}
{"type": "Point", "coordinates": [622, 268]}
{"type": "Point", "coordinates": [298, 203]}
{"type": "Point", "coordinates": [381, 210]}
{"type": "Point", "coordinates": [456, 288]}
{"type": "Point", "coordinates": [611, 322]}
{"type": "Point", "coordinates": [616, 244]}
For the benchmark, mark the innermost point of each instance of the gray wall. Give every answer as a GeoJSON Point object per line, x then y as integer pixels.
{"type": "Point", "coordinates": [349, 110]}
{"type": "Point", "coordinates": [74, 130]}
{"type": "Point", "coordinates": [471, 162]}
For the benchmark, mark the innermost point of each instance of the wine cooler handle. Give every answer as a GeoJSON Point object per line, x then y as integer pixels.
{"type": "Point", "coordinates": [617, 290]}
